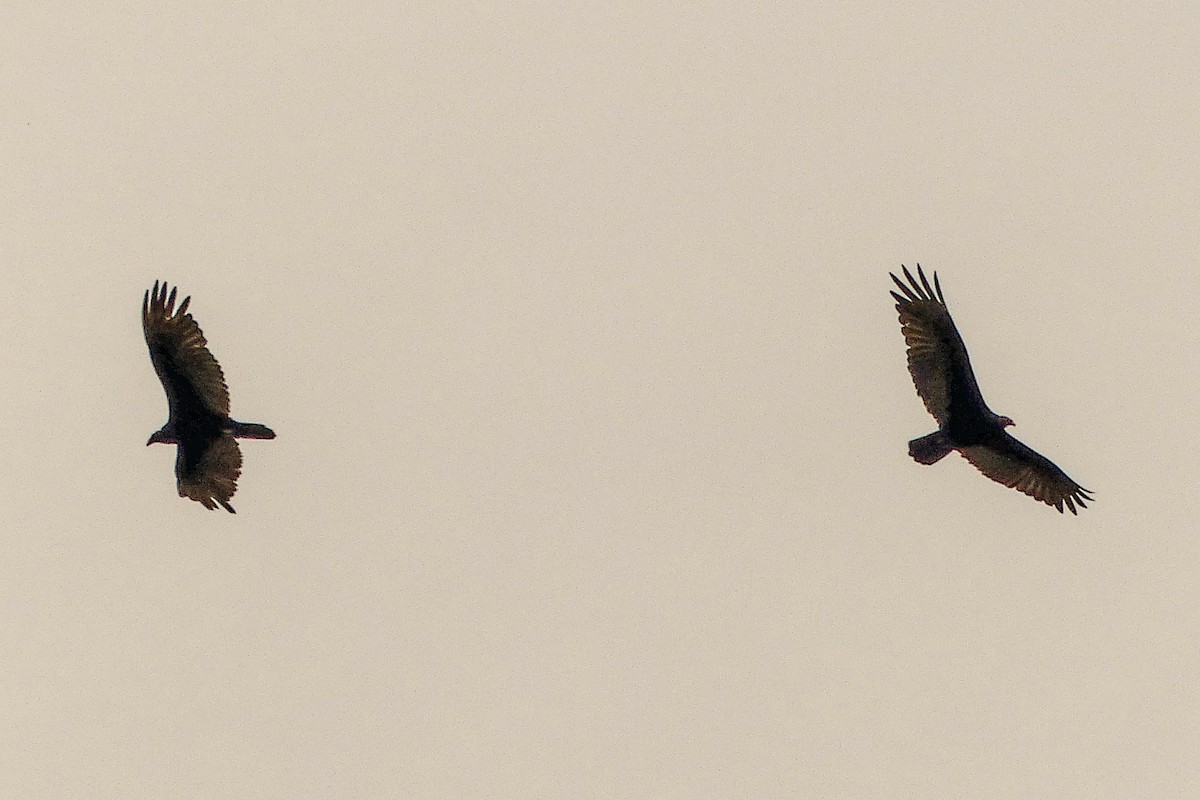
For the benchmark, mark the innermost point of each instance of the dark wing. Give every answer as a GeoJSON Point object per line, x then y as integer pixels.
{"type": "Point", "coordinates": [207, 471]}
{"type": "Point", "coordinates": [937, 357]}
{"type": "Point", "coordinates": [190, 375]}
{"type": "Point", "coordinates": [1008, 461]}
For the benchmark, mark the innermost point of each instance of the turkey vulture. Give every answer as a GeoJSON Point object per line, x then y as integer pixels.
{"type": "Point", "coordinates": [941, 370]}
{"type": "Point", "coordinates": [207, 458]}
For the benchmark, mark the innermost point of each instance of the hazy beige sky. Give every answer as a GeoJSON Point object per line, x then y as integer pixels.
{"type": "Point", "coordinates": [591, 478]}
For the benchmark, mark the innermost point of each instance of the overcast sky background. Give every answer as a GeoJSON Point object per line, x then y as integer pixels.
{"type": "Point", "coordinates": [591, 477]}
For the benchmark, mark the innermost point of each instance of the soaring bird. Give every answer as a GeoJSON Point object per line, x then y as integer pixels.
{"type": "Point", "coordinates": [941, 370]}
{"type": "Point", "coordinates": [207, 458]}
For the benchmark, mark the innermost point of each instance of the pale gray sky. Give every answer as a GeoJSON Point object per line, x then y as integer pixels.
{"type": "Point", "coordinates": [591, 477]}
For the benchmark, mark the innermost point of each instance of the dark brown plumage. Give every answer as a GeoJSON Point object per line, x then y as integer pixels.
{"type": "Point", "coordinates": [941, 371]}
{"type": "Point", "coordinates": [207, 459]}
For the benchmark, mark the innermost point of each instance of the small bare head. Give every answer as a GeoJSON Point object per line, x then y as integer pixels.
{"type": "Point", "coordinates": [1004, 422]}
{"type": "Point", "coordinates": [163, 436]}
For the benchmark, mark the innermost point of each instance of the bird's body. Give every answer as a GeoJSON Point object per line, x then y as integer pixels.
{"type": "Point", "coordinates": [941, 370]}
{"type": "Point", "coordinates": [208, 460]}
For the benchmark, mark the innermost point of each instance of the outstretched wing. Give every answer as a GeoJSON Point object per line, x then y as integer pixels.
{"type": "Point", "coordinates": [1008, 461]}
{"type": "Point", "coordinates": [190, 375]}
{"type": "Point", "coordinates": [207, 472]}
{"type": "Point", "coordinates": [937, 357]}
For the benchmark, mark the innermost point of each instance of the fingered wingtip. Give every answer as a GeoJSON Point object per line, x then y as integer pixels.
{"type": "Point", "coordinates": [160, 300]}
{"type": "Point", "coordinates": [918, 287]}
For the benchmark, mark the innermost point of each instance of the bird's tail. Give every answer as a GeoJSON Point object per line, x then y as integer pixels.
{"type": "Point", "coordinates": [930, 449]}
{"type": "Point", "coordinates": [251, 430]}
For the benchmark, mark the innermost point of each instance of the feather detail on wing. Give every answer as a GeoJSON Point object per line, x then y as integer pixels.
{"type": "Point", "coordinates": [935, 348]}
{"type": "Point", "coordinates": [189, 373]}
{"type": "Point", "coordinates": [1006, 460]}
{"type": "Point", "coordinates": [210, 476]}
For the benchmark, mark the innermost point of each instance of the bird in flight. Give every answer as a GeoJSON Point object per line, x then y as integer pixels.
{"type": "Point", "coordinates": [207, 458]}
{"type": "Point", "coordinates": [941, 371]}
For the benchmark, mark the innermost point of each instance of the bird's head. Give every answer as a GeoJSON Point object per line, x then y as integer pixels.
{"type": "Point", "coordinates": [1004, 422]}
{"type": "Point", "coordinates": [162, 437]}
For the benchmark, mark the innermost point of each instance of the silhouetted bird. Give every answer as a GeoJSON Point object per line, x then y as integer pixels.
{"type": "Point", "coordinates": [207, 459]}
{"type": "Point", "coordinates": [941, 370]}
